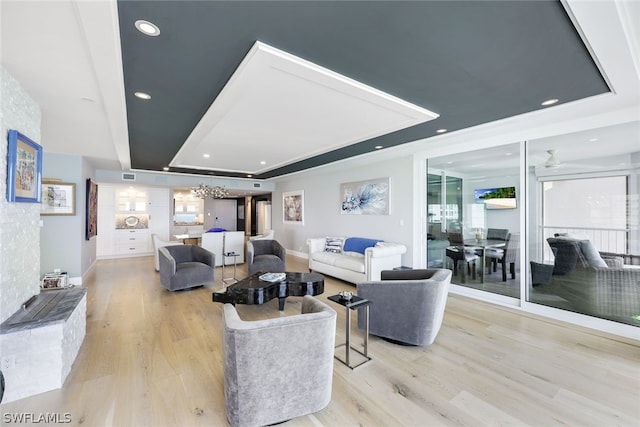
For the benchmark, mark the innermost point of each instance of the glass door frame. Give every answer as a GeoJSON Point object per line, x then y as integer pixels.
{"type": "Point", "coordinates": [529, 189]}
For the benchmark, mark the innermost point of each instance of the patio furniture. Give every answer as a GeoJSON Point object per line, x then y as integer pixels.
{"type": "Point", "coordinates": [459, 254]}
{"type": "Point", "coordinates": [497, 234]}
{"type": "Point", "coordinates": [508, 255]}
{"type": "Point", "coordinates": [593, 284]}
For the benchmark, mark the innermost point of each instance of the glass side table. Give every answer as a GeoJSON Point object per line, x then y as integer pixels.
{"type": "Point", "coordinates": [353, 304]}
{"type": "Point", "coordinates": [230, 280]}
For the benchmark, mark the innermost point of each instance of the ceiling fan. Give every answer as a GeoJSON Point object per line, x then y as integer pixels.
{"type": "Point", "coordinates": [553, 161]}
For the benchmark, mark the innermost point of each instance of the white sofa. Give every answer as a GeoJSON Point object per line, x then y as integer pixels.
{"type": "Point", "coordinates": [362, 264]}
{"type": "Point", "coordinates": [219, 243]}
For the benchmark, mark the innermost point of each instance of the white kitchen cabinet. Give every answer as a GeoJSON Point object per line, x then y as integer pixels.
{"type": "Point", "coordinates": [105, 244]}
{"type": "Point", "coordinates": [120, 234]}
{"type": "Point", "coordinates": [132, 242]}
{"type": "Point", "coordinates": [159, 209]}
{"type": "Point", "coordinates": [132, 199]}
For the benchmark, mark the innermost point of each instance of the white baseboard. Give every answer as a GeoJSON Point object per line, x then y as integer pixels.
{"type": "Point", "coordinates": [298, 254]}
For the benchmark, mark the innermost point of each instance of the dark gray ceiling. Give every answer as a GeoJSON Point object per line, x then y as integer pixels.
{"type": "Point", "coordinates": [471, 62]}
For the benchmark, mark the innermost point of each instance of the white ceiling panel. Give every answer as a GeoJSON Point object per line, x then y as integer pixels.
{"type": "Point", "coordinates": [278, 109]}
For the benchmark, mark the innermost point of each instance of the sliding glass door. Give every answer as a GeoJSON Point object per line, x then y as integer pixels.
{"type": "Point", "coordinates": [473, 214]}
{"type": "Point", "coordinates": [579, 194]}
{"type": "Point", "coordinates": [585, 225]}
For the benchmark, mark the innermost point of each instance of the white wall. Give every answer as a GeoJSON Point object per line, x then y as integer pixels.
{"type": "Point", "coordinates": [496, 218]}
{"type": "Point", "coordinates": [62, 238]}
{"type": "Point", "coordinates": [322, 201]}
{"type": "Point", "coordinates": [223, 214]}
{"type": "Point", "coordinates": [19, 222]}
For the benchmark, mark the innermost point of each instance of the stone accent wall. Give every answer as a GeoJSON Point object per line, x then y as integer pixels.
{"type": "Point", "coordinates": [19, 222]}
{"type": "Point", "coordinates": [73, 335]}
{"type": "Point", "coordinates": [40, 359]}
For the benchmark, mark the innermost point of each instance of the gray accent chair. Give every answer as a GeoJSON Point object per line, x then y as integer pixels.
{"type": "Point", "coordinates": [278, 369]}
{"type": "Point", "coordinates": [407, 306]}
{"type": "Point", "coordinates": [185, 266]}
{"type": "Point", "coordinates": [265, 256]}
{"type": "Point", "coordinates": [159, 243]}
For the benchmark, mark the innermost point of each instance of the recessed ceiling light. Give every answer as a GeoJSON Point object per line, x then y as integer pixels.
{"type": "Point", "coordinates": [249, 175]}
{"type": "Point", "coordinates": [441, 130]}
{"type": "Point", "coordinates": [206, 156]}
{"type": "Point", "coordinates": [549, 102]}
{"type": "Point", "coordinates": [378, 147]}
{"type": "Point", "coordinates": [148, 28]}
{"type": "Point", "coordinates": [263, 162]}
{"type": "Point", "coordinates": [142, 95]}
{"type": "Point", "coordinates": [166, 168]}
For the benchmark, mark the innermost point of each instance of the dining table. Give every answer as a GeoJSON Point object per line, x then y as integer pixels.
{"type": "Point", "coordinates": [482, 245]}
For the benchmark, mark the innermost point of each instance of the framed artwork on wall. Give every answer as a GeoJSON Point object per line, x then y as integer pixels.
{"type": "Point", "coordinates": [365, 197]}
{"type": "Point", "coordinates": [58, 198]}
{"type": "Point", "coordinates": [24, 169]}
{"type": "Point", "coordinates": [92, 210]}
{"type": "Point", "coordinates": [293, 207]}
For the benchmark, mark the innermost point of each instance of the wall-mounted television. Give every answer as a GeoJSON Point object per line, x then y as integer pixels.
{"type": "Point", "coordinates": [496, 198]}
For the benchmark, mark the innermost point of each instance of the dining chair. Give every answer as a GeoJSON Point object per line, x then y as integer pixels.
{"type": "Point", "coordinates": [497, 234]}
{"type": "Point", "coordinates": [508, 255]}
{"type": "Point", "coordinates": [458, 253]}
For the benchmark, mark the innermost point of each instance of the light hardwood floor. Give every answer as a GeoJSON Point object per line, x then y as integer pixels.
{"type": "Point", "coordinates": [153, 358]}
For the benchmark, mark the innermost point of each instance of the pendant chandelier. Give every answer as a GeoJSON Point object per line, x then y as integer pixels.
{"type": "Point", "coordinates": [203, 191]}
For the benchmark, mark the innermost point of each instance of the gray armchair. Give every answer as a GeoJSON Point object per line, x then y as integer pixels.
{"type": "Point", "coordinates": [407, 305]}
{"type": "Point", "coordinates": [280, 368]}
{"type": "Point", "coordinates": [265, 255]}
{"type": "Point", "coordinates": [159, 243]}
{"type": "Point", "coordinates": [185, 266]}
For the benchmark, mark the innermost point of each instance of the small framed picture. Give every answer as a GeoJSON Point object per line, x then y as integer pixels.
{"type": "Point", "coordinates": [58, 198]}
{"type": "Point", "coordinates": [52, 281]}
{"type": "Point", "coordinates": [24, 169]}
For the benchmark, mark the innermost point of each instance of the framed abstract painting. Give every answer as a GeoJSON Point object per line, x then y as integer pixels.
{"type": "Point", "coordinates": [293, 207]}
{"type": "Point", "coordinates": [58, 198]}
{"type": "Point", "coordinates": [92, 210]}
{"type": "Point", "coordinates": [365, 197]}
